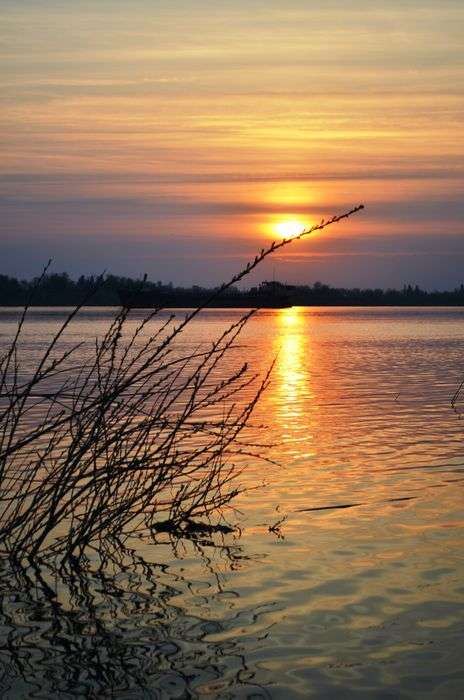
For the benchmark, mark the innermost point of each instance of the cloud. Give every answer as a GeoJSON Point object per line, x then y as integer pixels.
{"type": "Point", "coordinates": [19, 213]}
{"type": "Point", "coordinates": [394, 172]}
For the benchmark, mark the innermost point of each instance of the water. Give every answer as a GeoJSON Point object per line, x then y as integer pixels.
{"type": "Point", "coordinates": [358, 593]}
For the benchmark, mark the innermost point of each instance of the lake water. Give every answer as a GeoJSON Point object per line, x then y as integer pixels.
{"type": "Point", "coordinates": [359, 594]}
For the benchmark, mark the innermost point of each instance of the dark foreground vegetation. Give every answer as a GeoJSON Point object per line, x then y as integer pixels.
{"type": "Point", "coordinates": [133, 435]}
{"type": "Point", "coordinates": [58, 289]}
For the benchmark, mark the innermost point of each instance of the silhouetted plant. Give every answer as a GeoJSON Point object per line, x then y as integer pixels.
{"type": "Point", "coordinates": [137, 436]}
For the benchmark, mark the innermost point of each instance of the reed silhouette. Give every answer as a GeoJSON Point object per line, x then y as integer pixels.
{"type": "Point", "coordinates": [138, 436]}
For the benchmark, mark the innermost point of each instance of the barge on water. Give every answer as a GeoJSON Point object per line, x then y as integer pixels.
{"type": "Point", "coordinates": [269, 295]}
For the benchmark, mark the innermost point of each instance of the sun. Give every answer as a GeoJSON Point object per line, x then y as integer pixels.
{"type": "Point", "coordinates": [288, 228]}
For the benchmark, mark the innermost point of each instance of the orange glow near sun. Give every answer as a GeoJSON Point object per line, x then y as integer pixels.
{"type": "Point", "coordinates": [288, 228]}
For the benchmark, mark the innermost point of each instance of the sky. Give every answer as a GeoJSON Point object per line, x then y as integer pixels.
{"type": "Point", "coordinates": [177, 138]}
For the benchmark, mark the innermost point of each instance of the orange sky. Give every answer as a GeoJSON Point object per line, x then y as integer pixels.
{"type": "Point", "coordinates": [137, 133]}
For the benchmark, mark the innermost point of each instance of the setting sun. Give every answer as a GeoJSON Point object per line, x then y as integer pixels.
{"type": "Point", "coordinates": [288, 228]}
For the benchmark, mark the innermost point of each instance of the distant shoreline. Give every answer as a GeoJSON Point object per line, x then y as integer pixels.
{"type": "Point", "coordinates": [58, 289]}
{"type": "Point", "coordinates": [346, 305]}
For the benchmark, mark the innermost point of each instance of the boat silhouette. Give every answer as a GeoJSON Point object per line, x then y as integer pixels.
{"type": "Point", "coordinates": [270, 295]}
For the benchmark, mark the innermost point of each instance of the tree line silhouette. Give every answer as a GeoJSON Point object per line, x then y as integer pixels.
{"type": "Point", "coordinates": [59, 289]}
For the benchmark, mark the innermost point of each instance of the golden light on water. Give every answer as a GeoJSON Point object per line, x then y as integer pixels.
{"type": "Point", "coordinates": [293, 363]}
{"type": "Point", "coordinates": [289, 317]}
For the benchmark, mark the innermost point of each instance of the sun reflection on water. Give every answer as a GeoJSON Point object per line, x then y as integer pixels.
{"type": "Point", "coordinates": [294, 395]}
